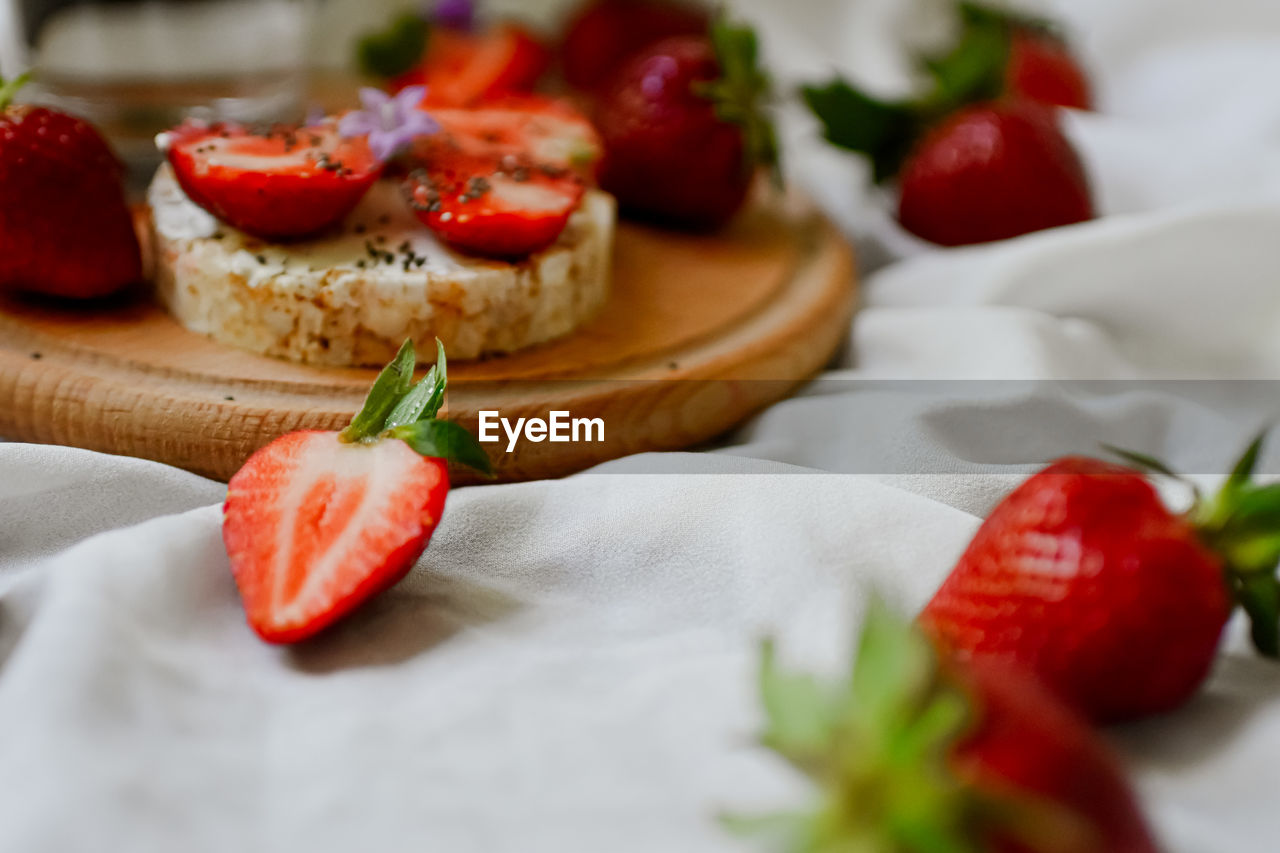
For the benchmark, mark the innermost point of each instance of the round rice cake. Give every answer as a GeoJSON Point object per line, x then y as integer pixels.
{"type": "Point", "coordinates": [352, 296]}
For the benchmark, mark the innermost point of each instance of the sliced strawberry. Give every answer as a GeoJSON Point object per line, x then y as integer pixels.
{"type": "Point", "coordinates": [461, 68]}
{"type": "Point", "coordinates": [316, 523]}
{"type": "Point", "coordinates": [501, 210]}
{"type": "Point", "coordinates": [284, 182]}
{"type": "Point", "coordinates": [540, 132]}
{"type": "Point", "coordinates": [314, 527]}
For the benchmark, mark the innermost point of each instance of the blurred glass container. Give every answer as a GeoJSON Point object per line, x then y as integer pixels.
{"type": "Point", "coordinates": [136, 67]}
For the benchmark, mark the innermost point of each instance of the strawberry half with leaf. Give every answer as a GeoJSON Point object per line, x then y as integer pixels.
{"type": "Point", "coordinates": [281, 182]}
{"type": "Point", "coordinates": [1084, 577]}
{"type": "Point", "coordinates": [502, 180]}
{"type": "Point", "coordinates": [979, 156]}
{"type": "Point", "coordinates": [317, 523]}
{"type": "Point", "coordinates": [462, 69]}
{"type": "Point", "coordinates": [917, 752]}
{"type": "Point", "coordinates": [685, 128]}
{"type": "Point", "coordinates": [65, 228]}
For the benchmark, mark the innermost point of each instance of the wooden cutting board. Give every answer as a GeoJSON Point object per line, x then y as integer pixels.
{"type": "Point", "coordinates": [700, 333]}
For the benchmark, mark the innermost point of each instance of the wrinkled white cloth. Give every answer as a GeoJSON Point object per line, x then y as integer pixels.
{"type": "Point", "coordinates": [570, 666]}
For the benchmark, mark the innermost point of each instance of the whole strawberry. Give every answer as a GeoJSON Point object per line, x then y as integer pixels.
{"type": "Point", "coordinates": [1118, 604]}
{"type": "Point", "coordinates": [979, 156]}
{"type": "Point", "coordinates": [684, 129]}
{"type": "Point", "coordinates": [1042, 68]}
{"type": "Point", "coordinates": [918, 752]}
{"type": "Point", "coordinates": [992, 172]}
{"type": "Point", "coordinates": [604, 34]}
{"type": "Point", "coordinates": [65, 228]}
{"type": "Point", "coordinates": [317, 523]}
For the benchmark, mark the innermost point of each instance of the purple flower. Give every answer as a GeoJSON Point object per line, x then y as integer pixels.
{"type": "Point", "coordinates": [455, 14]}
{"type": "Point", "coordinates": [391, 123]}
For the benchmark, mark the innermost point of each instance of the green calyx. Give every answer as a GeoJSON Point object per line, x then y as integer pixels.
{"type": "Point", "coordinates": [396, 408]}
{"type": "Point", "coordinates": [1241, 524]}
{"type": "Point", "coordinates": [878, 746]}
{"type": "Point", "coordinates": [972, 71]}
{"type": "Point", "coordinates": [394, 50]}
{"type": "Point", "coordinates": [9, 88]}
{"type": "Point", "coordinates": [744, 92]}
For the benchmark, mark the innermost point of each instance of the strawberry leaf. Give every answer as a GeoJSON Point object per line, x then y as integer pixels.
{"type": "Point", "coordinates": [444, 440]}
{"type": "Point", "coordinates": [388, 389]}
{"type": "Point", "coordinates": [1259, 595]}
{"type": "Point", "coordinates": [974, 70]}
{"type": "Point", "coordinates": [799, 711]}
{"type": "Point", "coordinates": [426, 398]}
{"type": "Point", "coordinates": [9, 88]}
{"type": "Point", "coordinates": [744, 91]}
{"type": "Point", "coordinates": [851, 119]}
{"type": "Point", "coordinates": [395, 50]}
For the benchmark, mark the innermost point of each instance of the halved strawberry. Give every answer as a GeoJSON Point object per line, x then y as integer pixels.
{"type": "Point", "coordinates": [500, 210]}
{"type": "Point", "coordinates": [317, 523]}
{"type": "Point", "coordinates": [539, 131]}
{"type": "Point", "coordinates": [462, 68]}
{"type": "Point", "coordinates": [503, 179]}
{"type": "Point", "coordinates": [286, 181]}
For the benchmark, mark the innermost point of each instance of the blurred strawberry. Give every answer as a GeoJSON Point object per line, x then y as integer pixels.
{"type": "Point", "coordinates": [1085, 578]}
{"type": "Point", "coordinates": [917, 753]}
{"type": "Point", "coordinates": [1042, 68]}
{"type": "Point", "coordinates": [991, 172]}
{"type": "Point", "coordinates": [978, 156]}
{"type": "Point", "coordinates": [460, 68]}
{"type": "Point", "coordinates": [604, 34]}
{"type": "Point", "coordinates": [685, 129]}
{"type": "Point", "coordinates": [65, 229]}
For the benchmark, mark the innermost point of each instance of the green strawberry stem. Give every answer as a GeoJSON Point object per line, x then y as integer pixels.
{"type": "Point", "coordinates": [394, 50]}
{"type": "Point", "coordinates": [743, 92]}
{"type": "Point", "coordinates": [398, 409]}
{"type": "Point", "coordinates": [886, 131]}
{"type": "Point", "coordinates": [9, 88]}
{"type": "Point", "coordinates": [1241, 524]}
{"type": "Point", "coordinates": [878, 745]}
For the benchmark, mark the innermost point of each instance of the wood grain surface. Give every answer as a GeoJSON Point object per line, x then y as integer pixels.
{"type": "Point", "coordinates": [700, 333]}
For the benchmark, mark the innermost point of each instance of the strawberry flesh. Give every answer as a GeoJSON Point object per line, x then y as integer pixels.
{"type": "Point", "coordinates": [462, 69]}
{"type": "Point", "coordinates": [281, 183]}
{"type": "Point", "coordinates": [502, 180]}
{"type": "Point", "coordinates": [314, 527]}
{"type": "Point", "coordinates": [491, 209]}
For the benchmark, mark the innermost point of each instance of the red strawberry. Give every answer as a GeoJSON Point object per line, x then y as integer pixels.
{"type": "Point", "coordinates": [538, 132]}
{"type": "Point", "coordinates": [65, 229]}
{"type": "Point", "coordinates": [979, 157]}
{"type": "Point", "coordinates": [604, 34]}
{"type": "Point", "coordinates": [482, 206]}
{"type": "Point", "coordinates": [914, 753]}
{"type": "Point", "coordinates": [283, 182]}
{"type": "Point", "coordinates": [1042, 68]}
{"type": "Point", "coordinates": [1084, 577]}
{"type": "Point", "coordinates": [684, 131]}
{"type": "Point", "coordinates": [317, 523]}
{"type": "Point", "coordinates": [461, 68]}
{"type": "Point", "coordinates": [991, 172]}
{"type": "Point", "coordinates": [502, 180]}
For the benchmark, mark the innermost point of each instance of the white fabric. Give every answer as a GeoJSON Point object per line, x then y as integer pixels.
{"type": "Point", "coordinates": [570, 666]}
